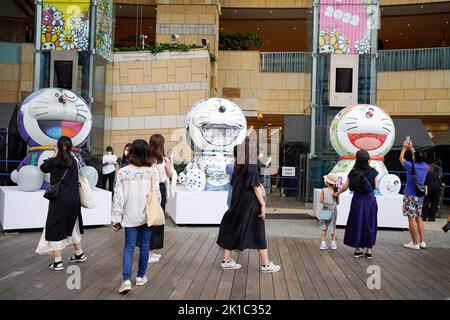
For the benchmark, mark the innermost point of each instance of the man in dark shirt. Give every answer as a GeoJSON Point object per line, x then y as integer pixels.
{"type": "Point", "coordinates": [431, 200]}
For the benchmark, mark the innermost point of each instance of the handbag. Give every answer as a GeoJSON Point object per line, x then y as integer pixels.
{"type": "Point", "coordinates": [326, 213]}
{"type": "Point", "coordinates": [86, 194]}
{"type": "Point", "coordinates": [420, 188]}
{"type": "Point", "coordinates": [52, 191]}
{"type": "Point", "coordinates": [155, 214]}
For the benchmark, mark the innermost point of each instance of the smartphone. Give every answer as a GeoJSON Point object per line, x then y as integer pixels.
{"type": "Point", "coordinates": [408, 139]}
{"type": "Point", "coordinates": [446, 227]}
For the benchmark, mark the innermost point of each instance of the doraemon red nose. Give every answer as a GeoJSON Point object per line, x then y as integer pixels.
{"type": "Point", "coordinates": [369, 114]}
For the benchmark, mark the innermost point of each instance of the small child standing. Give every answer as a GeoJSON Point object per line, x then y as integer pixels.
{"type": "Point", "coordinates": [329, 205]}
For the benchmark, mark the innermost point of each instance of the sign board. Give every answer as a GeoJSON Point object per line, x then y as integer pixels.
{"type": "Point", "coordinates": [288, 171]}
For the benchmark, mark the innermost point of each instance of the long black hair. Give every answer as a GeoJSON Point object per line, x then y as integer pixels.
{"type": "Point", "coordinates": [64, 157]}
{"type": "Point", "coordinates": [360, 170]}
{"type": "Point", "coordinates": [157, 148]}
{"type": "Point", "coordinates": [140, 153]}
{"type": "Point", "coordinates": [125, 158]}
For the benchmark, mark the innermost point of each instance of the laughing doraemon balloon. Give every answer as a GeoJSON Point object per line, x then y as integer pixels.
{"type": "Point", "coordinates": [213, 127]}
{"type": "Point", "coordinates": [362, 127]}
{"type": "Point", "coordinates": [44, 117]}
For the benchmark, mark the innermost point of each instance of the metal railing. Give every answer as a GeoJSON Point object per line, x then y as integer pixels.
{"type": "Point", "coordinates": [285, 61]}
{"type": "Point", "coordinates": [414, 59]}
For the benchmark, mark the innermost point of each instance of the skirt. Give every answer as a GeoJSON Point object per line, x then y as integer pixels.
{"type": "Point", "coordinates": [361, 229]}
{"type": "Point", "coordinates": [47, 247]}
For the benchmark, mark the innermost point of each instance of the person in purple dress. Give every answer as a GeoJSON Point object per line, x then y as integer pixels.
{"type": "Point", "coordinates": [361, 229]}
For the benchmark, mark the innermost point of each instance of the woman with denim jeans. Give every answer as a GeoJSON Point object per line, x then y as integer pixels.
{"type": "Point", "coordinates": [133, 184]}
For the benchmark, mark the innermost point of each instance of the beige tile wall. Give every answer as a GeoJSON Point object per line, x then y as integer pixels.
{"type": "Point", "coordinates": [16, 80]}
{"type": "Point", "coordinates": [152, 94]}
{"type": "Point", "coordinates": [273, 93]}
{"type": "Point", "coordinates": [414, 92]}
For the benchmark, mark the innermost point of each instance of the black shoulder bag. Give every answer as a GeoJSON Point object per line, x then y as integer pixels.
{"type": "Point", "coordinates": [420, 188]}
{"type": "Point", "coordinates": [53, 190]}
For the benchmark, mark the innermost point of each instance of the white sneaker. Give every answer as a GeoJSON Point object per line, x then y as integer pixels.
{"type": "Point", "coordinates": [411, 245]}
{"type": "Point", "coordinates": [270, 268]}
{"type": "Point", "coordinates": [153, 259]}
{"type": "Point", "coordinates": [333, 245]}
{"type": "Point", "coordinates": [323, 245]}
{"type": "Point", "coordinates": [423, 245]}
{"type": "Point", "coordinates": [230, 265]}
{"type": "Point", "coordinates": [157, 255]}
{"type": "Point", "coordinates": [125, 287]}
{"type": "Point", "coordinates": [141, 281]}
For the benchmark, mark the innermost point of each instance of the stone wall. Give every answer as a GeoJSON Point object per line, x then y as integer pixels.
{"type": "Point", "coordinates": [152, 94]}
{"type": "Point", "coordinates": [414, 92]}
{"type": "Point", "coordinates": [273, 93]}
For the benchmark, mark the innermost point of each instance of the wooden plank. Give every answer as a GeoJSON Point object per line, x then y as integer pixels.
{"type": "Point", "coordinates": [266, 289]}
{"type": "Point", "coordinates": [183, 285]}
{"type": "Point", "coordinates": [358, 283]}
{"type": "Point", "coordinates": [359, 266]}
{"type": "Point", "coordinates": [240, 277]}
{"type": "Point", "coordinates": [226, 284]}
{"type": "Point", "coordinates": [164, 272]}
{"type": "Point", "coordinates": [212, 283]}
{"type": "Point", "coordinates": [293, 285]}
{"type": "Point", "coordinates": [426, 279]}
{"type": "Point", "coordinates": [316, 277]}
{"type": "Point", "coordinates": [279, 280]}
{"type": "Point", "coordinates": [37, 276]}
{"type": "Point", "coordinates": [196, 288]}
{"type": "Point", "coordinates": [252, 286]}
{"type": "Point", "coordinates": [171, 282]}
{"type": "Point", "coordinates": [333, 269]}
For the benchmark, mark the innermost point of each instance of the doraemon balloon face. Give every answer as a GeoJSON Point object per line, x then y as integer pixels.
{"type": "Point", "coordinates": [362, 127]}
{"type": "Point", "coordinates": [215, 124]}
{"type": "Point", "coordinates": [48, 114]}
{"type": "Point", "coordinates": [44, 117]}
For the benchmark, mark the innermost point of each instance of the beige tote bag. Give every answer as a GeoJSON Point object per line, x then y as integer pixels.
{"type": "Point", "coordinates": [155, 214]}
{"type": "Point", "coordinates": [86, 194]}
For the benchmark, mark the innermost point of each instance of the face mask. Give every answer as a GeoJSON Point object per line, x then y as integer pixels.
{"type": "Point", "coordinates": [109, 153]}
{"type": "Point", "coordinates": [125, 152]}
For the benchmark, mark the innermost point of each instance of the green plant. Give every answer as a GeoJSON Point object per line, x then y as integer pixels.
{"type": "Point", "coordinates": [159, 47]}
{"type": "Point", "coordinates": [212, 58]}
{"type": "Point", "coordinates": [239, 41]}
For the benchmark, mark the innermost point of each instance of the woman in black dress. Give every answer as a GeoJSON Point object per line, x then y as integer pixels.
{"type": "Point", "coordinates": [64, 224]}
{"type": "Point", "coordinates": [242, 226]}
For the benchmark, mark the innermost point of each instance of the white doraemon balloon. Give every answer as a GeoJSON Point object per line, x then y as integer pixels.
{"type": "Point", "coordinates": [213, 127]}
{"type": "Point", "coordinates": [362, 127]}
{"type": "Point", "coordinates": [215, 124]}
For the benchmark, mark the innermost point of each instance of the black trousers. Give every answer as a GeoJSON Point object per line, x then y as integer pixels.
{"type": "Point", "coordinates": [109, 177]}
{"type": "Point", "coordinates": [430, 204]}
{"type": "Point", "coordinates": [157, 238]}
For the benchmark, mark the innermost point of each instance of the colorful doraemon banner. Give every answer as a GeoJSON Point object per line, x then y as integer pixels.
{"type": "Point", "coordinates": [65, 25]}
{"type": "Point", "coordinates": [104, 28]}
{"type": "Point", "coordinates": [346, 26]}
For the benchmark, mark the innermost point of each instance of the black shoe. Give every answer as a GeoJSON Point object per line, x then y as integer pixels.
{"type": "Point", "coordinates": [358, 254]}
{"type": "Point", "coordinates": [368, 255]}
{"type": "Point", "coordinates": [76, 258]}
{"type": "Point", "coordinates": [57, 266]}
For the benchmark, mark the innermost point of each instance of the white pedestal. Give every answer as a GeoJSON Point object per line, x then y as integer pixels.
{"type": "Point", "coordinates": [389, 210]}
{"type": "Point", "coordinates": [197, 207]}
{"type": "Point", "coordinates": [28, 210]}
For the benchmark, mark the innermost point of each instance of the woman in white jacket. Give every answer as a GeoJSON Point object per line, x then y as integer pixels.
{"type": "Point", "coordinates": [133, 184]}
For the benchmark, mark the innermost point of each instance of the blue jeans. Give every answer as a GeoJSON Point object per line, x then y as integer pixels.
{"type": "Point", "coordinates": [131, 234]}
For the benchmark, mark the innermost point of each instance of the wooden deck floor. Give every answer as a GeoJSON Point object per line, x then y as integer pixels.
{"type": "Point", "coordinates": [189, 269]}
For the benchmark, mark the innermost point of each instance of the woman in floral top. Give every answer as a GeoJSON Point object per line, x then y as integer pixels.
{"type": "Point", "coordinates": [133, 184]}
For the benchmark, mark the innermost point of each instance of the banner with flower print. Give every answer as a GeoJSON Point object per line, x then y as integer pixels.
{"type": "Point", "coordinates": [65, 25]}
{"type": "Point", "coordinates": [346, 26]}
{"type": "Point", "coordinates": [104, 27]}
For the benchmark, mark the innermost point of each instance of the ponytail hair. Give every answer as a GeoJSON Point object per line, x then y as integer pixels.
{"type": "Point", "coordinates": [64, 156]}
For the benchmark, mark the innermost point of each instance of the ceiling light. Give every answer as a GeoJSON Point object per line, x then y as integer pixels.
{"type": "Point", "coordinates": [421, 7]}
{"type": "Point", "coordinates": [387, 40]}
{"type": "Point", "coordinates": [257, 28]}
{"type": "Point", "coordinates": [401, 33]}
{"type": "Point", "coordinates": [120, 7]}
{"type": "Point", "coordinates": [270, 11]}
{"type": "Point", "coordinates": [235, 11]}
{"type": "Point", "coordinates": [446, 22]}
{"type": "Point", "coordinates": [295, 28]}
{"type": "Point", "coordinates": [408, 24]}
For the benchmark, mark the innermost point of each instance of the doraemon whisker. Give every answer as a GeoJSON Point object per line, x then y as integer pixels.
{"type": "Point", "coordinates": [81, 116]}
{"type": "Point", "coordinates": [41, 114]}
{"type": "Point", "coordinates": [353, 128]}
{"type": "Point", "coordinates": [386, 129]}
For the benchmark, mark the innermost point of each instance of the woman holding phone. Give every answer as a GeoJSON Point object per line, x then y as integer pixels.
{"type": "Point", "coordinates": [133, 184]}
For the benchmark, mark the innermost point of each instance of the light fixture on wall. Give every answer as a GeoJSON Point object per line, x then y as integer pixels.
{"type": "Point", "coordinates": [260, 116]}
